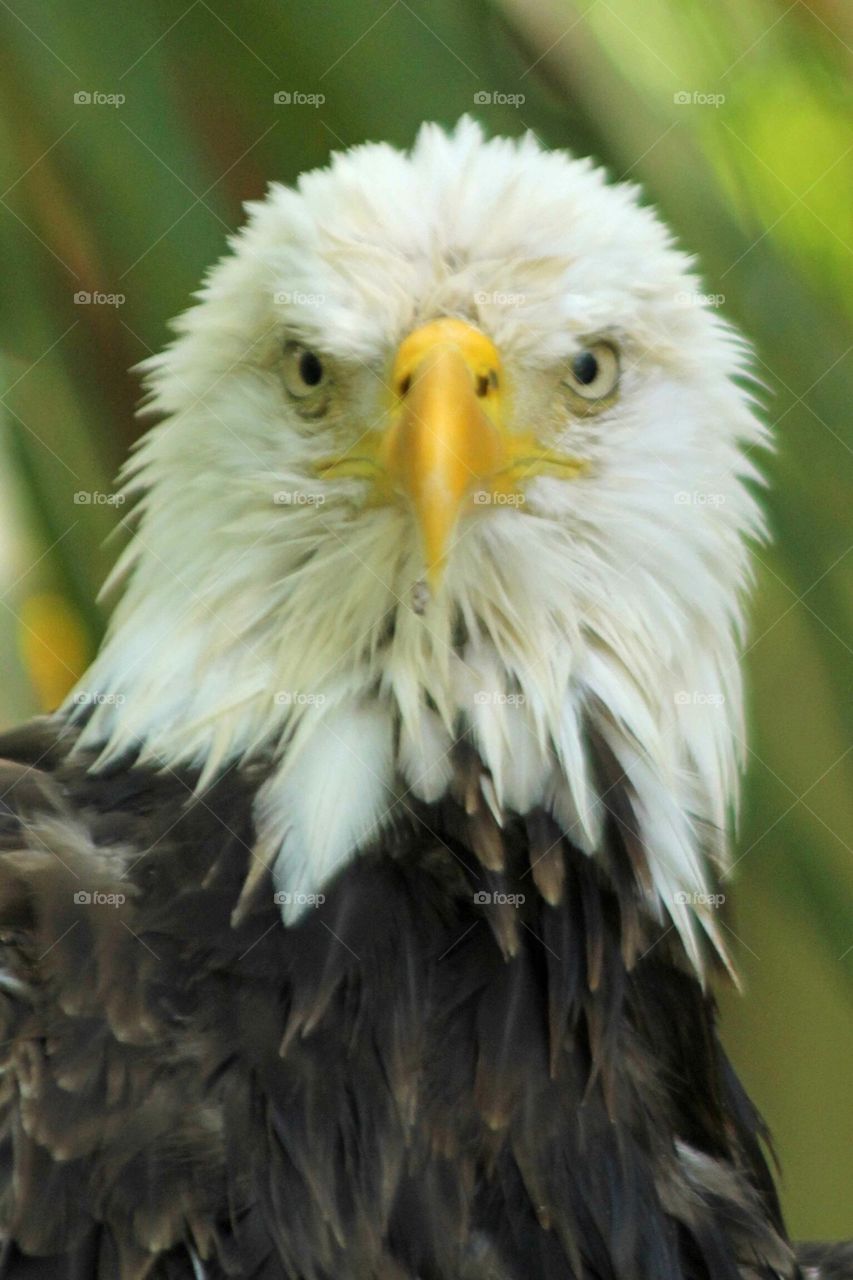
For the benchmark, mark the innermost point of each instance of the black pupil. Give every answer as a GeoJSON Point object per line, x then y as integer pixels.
{"type": "Point", "coordinates": [585, 368]}
{"type": "Point", "coordinates": [310, 368]}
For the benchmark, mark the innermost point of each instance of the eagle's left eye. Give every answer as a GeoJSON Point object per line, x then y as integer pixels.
{"type": "Point", "coordinates": [304, 371]}
{"type": "Point", "coordinates": [594, 371]}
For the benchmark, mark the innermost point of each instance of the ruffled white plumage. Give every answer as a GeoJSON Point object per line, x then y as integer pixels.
{"type": "Point", "coordinates": [618, 591]}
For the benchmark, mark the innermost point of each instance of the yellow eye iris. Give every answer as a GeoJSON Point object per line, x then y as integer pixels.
{"type": "Point", "coordinates": [594, 372]}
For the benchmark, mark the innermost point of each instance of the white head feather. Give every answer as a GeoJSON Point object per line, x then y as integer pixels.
{"type": "Point", "coordinates": [248, 624]}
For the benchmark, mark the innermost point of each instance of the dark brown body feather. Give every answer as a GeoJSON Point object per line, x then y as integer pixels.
{"type": "Point", "coordinates": [407, 1083]}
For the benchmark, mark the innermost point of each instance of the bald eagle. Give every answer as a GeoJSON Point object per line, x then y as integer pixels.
{"type": "Point", "coordinates": [359, 906]}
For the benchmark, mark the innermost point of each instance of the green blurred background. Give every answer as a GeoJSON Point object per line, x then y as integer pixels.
{"type": "Point", "coordinates": [736, 119]}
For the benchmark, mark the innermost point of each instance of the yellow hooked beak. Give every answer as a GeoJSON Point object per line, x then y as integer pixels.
{"type": "Point", "coordinates": [447, 447]}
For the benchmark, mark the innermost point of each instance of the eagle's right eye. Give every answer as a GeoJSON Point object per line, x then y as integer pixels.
{"type": "Point", "coordinates": [304, 371]}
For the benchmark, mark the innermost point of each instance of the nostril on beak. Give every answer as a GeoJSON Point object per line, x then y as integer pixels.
{"type": "Point", "coordinates": [405, 384]}
{"type": "Point", "coordinates": [485, 383]}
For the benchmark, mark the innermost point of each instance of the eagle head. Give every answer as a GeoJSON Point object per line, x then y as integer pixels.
{"type": "Point", "coordinates": [450, 447]}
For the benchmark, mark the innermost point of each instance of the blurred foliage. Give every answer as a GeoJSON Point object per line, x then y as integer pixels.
{"type": "Point", "coordinates": [135, 199]}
